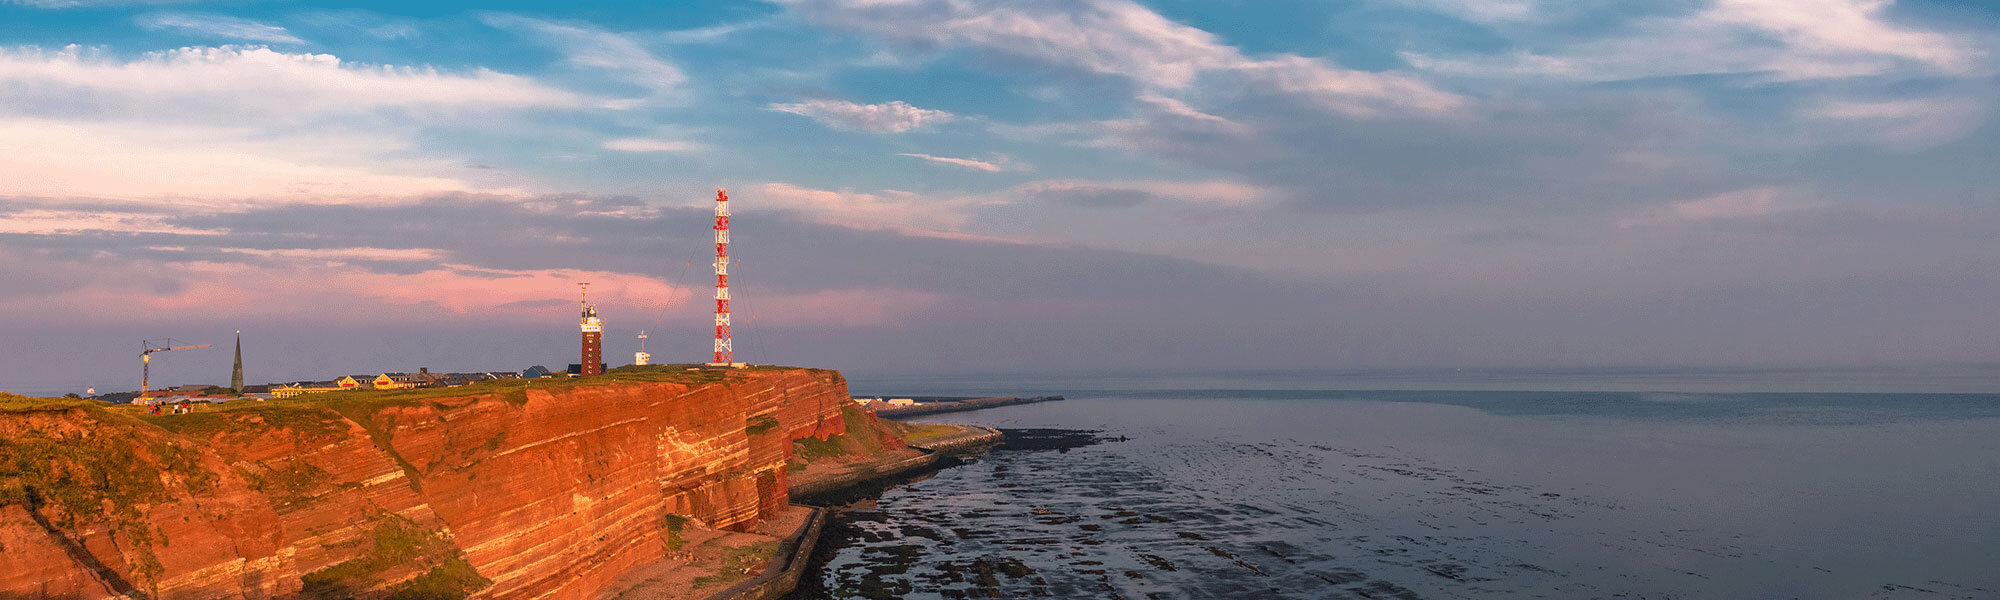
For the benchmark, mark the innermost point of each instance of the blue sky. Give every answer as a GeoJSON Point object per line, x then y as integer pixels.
{"type": "Point", "coordinates": [960, 185]}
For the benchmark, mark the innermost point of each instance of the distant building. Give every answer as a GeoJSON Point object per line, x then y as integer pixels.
{"type": "Point", "coordinates": [423, 378]}
{"type": "Point", "coordinates": [537, 372]}
{"type": "Point", "coordinates": [174, 396]}
{"type": "Point", "coordinates": [576, 370]}
{"type": "Point", "coordinates": [901, 402]}
{"type": "Point", "coordinates": [396, 381]}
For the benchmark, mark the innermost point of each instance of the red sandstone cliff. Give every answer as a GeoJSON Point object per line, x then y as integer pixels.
{"type": "Point", "coordinates": [521, 491]}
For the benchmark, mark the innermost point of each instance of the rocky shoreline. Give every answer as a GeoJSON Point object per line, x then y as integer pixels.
{"type": "Point", "coordinates": [782, 573]}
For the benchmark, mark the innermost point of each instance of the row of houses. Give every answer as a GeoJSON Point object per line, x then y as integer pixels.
{"type": "Point", "coordinates": [423, 378]}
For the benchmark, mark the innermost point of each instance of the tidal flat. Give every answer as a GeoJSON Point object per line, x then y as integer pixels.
{"type": "Point", "coordinates": [1428, 494]}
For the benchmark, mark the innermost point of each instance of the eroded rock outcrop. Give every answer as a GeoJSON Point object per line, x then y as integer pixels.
{"type": "Point", "coordinates": [513, 491]}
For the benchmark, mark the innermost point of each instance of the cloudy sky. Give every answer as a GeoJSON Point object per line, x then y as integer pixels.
{"type": "Point", "coordinates": [981, 185]}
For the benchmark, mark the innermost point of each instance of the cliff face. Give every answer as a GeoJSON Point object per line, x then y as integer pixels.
{"type": "Point", "coordinates": [521, 492]}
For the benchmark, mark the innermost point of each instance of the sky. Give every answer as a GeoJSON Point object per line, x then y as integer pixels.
{"type": "Point", "coordinates": [929, 186]}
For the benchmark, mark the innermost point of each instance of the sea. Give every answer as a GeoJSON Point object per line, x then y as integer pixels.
{"type": "Point", "coordinates": [1817, 484]}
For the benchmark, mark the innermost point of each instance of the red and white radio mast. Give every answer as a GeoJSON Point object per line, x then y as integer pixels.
{"type": "Point", "coordinates": [724, 349]}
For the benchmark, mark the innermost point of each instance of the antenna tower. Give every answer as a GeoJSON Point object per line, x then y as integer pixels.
{"type": "Point", "coordinates": [725, 350]}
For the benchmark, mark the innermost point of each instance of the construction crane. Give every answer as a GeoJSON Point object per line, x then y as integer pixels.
{"type": "Point", "coordinates": [146, 350]}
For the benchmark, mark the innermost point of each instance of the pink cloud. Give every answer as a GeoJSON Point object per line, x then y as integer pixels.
{"type": "Point", "coordinates": [321, 286]}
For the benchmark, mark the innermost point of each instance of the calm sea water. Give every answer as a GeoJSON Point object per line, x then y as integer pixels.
{"type": "Point", "coordinates": [1212, 486]}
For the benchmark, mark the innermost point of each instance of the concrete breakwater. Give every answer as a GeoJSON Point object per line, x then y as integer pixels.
{"type": "Point", "coordinates": [928, 408]}
{"type": "Point", "coordinates": [785, 568]}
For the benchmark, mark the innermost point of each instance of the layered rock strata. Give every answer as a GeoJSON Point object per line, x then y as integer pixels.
{"type": "Point", "coordinates": [522, 492]}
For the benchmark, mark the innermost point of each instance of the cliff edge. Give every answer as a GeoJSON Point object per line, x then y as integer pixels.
{"type": "Point", "coordinates": [523, 489]}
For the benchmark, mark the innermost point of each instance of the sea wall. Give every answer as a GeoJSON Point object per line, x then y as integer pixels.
{"type": "Point", "coordinates": [931, 408]}
{"type": "Point", "coordinates": [525, 491]}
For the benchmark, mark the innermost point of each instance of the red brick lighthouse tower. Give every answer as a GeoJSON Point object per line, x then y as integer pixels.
{"type": "Point", "coordinates": [593, 337]}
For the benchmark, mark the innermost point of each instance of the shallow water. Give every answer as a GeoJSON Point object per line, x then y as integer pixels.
{"type": "Point", "coordinates": [1419, 494]}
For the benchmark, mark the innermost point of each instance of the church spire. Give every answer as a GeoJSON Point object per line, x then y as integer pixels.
{"type": "Point", "coordinates": [236, 374]}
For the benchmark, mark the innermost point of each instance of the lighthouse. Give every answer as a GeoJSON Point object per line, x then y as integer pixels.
{"type": "Point", "coordinates": [593, 337]}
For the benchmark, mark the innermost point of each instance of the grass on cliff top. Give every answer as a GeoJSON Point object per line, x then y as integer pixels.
{"type": "Point", "coordinates": [240, 416]}
{"type": "Point", "coordinates": [105, 473]}
{"type": "Point", "coordinates": [358, 404]}
{"type": "Point", "coordinates": [307, 412]}
{"type": "Point", "coordinates": [20, 403]}
{"type": "Point", "coordinates": [516, 390]}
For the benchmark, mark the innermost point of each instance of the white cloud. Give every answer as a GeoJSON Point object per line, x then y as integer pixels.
{"type": "Point", "coordinates": [1904, 124]}
{"type": "Point", "coordinates": [651, 145]}
{"type": "Point", "coordinates": [47, 221]}
{"type": "Point", "coordinates": [1760, 201]}
{"type": "Point", "coordinates": [183, 165]}
{"type": "Point", "coordinates": [240, 124]}
{"type": "Point", "coordinates": [946, 215]}
{"type": "Point", "coordinates": [713, 33]}
{"type": "Point", "coordinates": [1786, 40]}
{"type": "Point", "coordinates": [891, 210]}
{"type": "Point", "coordinates": [202, 288]}
{"type": "Point", "coordinates": [1478, 10]}
{"type": "Point", "coordinates": [1841, 27]}
{"type": "Point", "coordinates": [999, 164]}
{"type": "Point", "coordinates": [237, 85]}
{"type": "Point", "coordinates": [1752, 202]}
{"type": "Point", "coordinates": [890, 117]}
{"type": "Point", "coordinates": [1892, 109]}
{"type": "Point", "coordinates": [1120, 38]}
{"type": "Point", "coordinates": [1117, 193]}
{"type": "Point", "coordinates": [1352, 92]}
{"type": "Point", "coordinates": [217, 26]}
{"type": "Point", "coordinates": [594, 48]}
{"type": "Point", "coordinates": [374, 25]}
